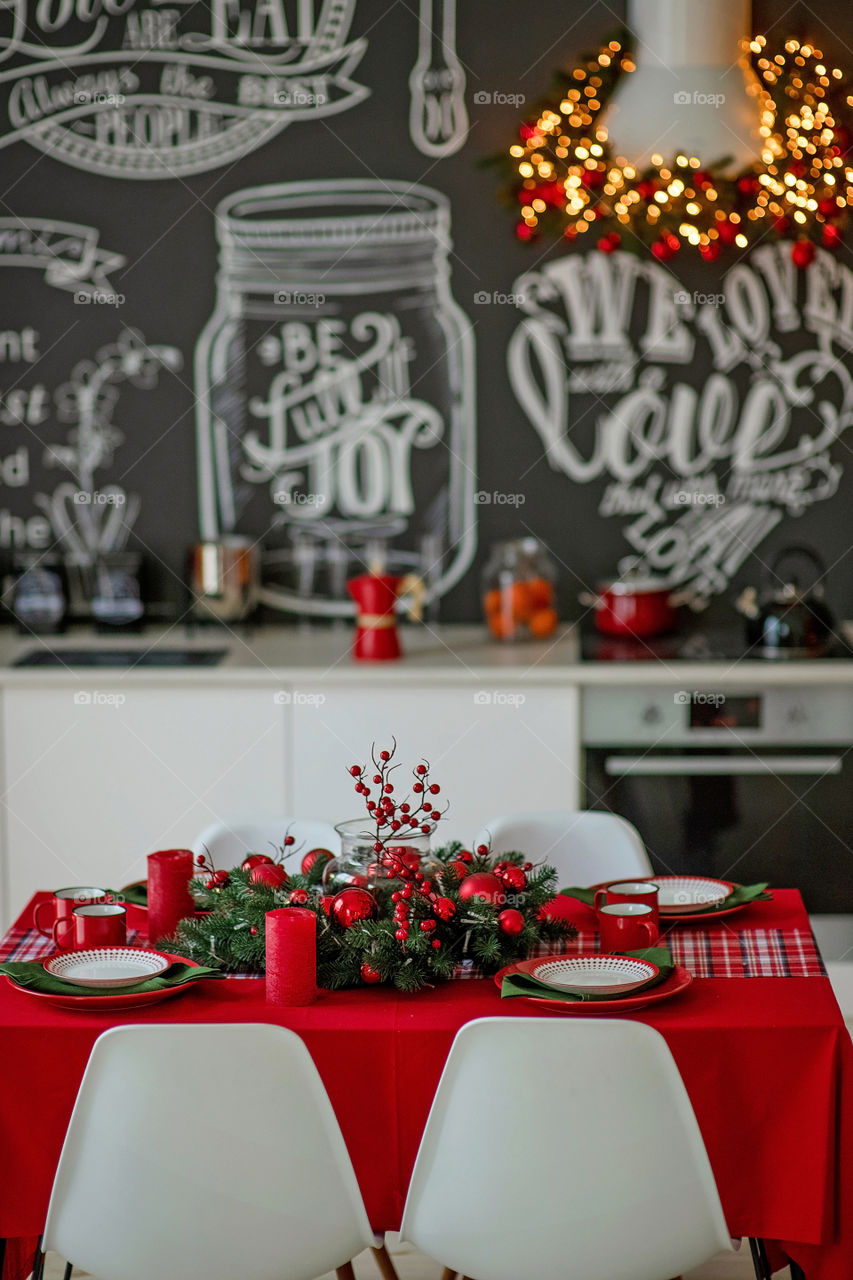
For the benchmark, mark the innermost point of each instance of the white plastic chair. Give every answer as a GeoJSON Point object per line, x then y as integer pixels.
{"type": "Point", "coordinates": [205, 1153]}
{"type": "Point", "coordinates": [561, 1148]}
{"type": "Point", "coordinates": [228, 842]}
{"type": "Point", "coordinates": [585, 845]}
{"type": "Point", "coordinates": [840, 974]}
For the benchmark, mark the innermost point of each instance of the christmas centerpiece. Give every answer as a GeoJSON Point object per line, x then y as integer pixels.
{"type": "Point", "coordinates": [408, 918]}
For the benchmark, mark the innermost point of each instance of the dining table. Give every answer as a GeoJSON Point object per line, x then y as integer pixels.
{"type": "Point", "coordinates": [757, 1036]}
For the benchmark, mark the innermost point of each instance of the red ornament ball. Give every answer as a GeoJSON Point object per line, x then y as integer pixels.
{"type": "Point", "coordinates": [271, 874]}
{"type": "Point", "coordinates": [802, 253]}
{"type": "Point", "coordinates": [459, 867]}
{"type": "Point", "coordinates": [351, 906]}
{"type": "Point", "coordinates": [511, 922]}
{"type": "Point", "coordinates": [299, 897]}
{"type": "Point", "coordinates": [484, 887]}
{"type": "Point", "coordinates": [514, 878]}
{"type": "Point", "coordinates": [465, 855]}
{"type": "Point", "coordinates": [313, 856]}
{"type": "Point", "coordinates": [255, 860]}
{"type": "Point", "coordinates": [369, 975]}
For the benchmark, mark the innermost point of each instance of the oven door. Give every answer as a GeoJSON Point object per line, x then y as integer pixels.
{"type": "Point", "coordinates": [769, 814]}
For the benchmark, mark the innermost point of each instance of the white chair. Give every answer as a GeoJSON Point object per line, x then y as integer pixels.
{"type": "Point", "coordinates": [840, 974]}
{"type": "Point", "coordinates": [585, 845]}
{"type": "Point", "coordinates": [561, 1148]}
{"type": "Point", "coordinates": [205, 1153]}
{"type": "Point", "coordinates": [228, 842]}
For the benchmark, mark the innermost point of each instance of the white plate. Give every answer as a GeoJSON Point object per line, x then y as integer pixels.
{"type": "Point", "coordinates": [680, 893]}
{"type": "Point", "coordinates": [599, 975]}
{"type": "Point", "coordinates": [107, 966]}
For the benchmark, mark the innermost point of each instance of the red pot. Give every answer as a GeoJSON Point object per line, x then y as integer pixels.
{"type": "Point", "coordinates": [636, 608]}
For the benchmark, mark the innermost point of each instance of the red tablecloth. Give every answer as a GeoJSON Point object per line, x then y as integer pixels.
{"type": "Point", "coordinates": [767, 1062]}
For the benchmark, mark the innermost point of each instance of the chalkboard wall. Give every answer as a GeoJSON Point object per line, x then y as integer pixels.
{"type": "Point", "coordinates": [124, 128]}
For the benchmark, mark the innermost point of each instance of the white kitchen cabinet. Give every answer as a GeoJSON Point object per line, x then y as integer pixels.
{"type": "Point", "coordinates": [491, 750]}
{"type": "Point", "coordinates": [92, 784]}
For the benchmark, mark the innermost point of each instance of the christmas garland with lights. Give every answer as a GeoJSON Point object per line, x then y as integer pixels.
{"type": "Point", "coordinates": [569, 182]}
{"type": "Point", "coordinates": [409, 921]}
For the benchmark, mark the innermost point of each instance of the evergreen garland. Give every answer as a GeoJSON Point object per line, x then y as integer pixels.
{"type": "Point", "coordinates": [563, 179]}
{"type": "Point", "coordinates": [230, 936]}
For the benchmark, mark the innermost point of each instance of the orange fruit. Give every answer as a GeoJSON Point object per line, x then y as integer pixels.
{"type": "Point", "coordinates": [543, 623]}
{"type": "Point", "coordinates": [501, 626]}
{"type": "Point", "coordinates": [492, 602]}
{"type": "Point", "coordinates": [517, 599]}
{"type": "Point", "coordinates": [541, 594]}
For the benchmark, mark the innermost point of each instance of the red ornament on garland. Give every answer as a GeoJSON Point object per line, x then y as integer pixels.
{"type": "Point", "coordinates": [511, 922]}
{"type": "Point", "coordinates": [802, 254]}
{"type": "Point", "coordinates": [483, 886]}
{"type": "Point", "coordinates": [313, 856]}
{"type": "Point", "coordinates": [271, 874]}
{"type": "Point", "coordinates": [459, 867]}
{"type": "Point", "coordinates": [512, 877]}
{"type": "Point", "coordinates": [662, 251]}
{"type": "Point", "coordinates": [369, 975]}
{"type": "Point", "coordinates": [352, 906]}
{"type": "Point", "coordinates": [254, 860]}
{"type": "Point", "coordinates": [299, 897]}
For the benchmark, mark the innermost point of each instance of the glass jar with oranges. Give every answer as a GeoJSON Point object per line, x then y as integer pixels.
{"type": "Point", "coordinates": [518, 591]}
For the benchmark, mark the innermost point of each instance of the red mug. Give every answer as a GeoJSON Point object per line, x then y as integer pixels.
{"type": "Point", "coordinates": [62, 905]}
{"type": "Point", "coordinates": [626, 926]}
{"type": "Point", "coordinates": [631, 891]}
{"type": "Point", "coordinates": [100, 924]}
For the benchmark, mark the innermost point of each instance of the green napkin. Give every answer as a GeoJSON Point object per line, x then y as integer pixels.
{"type": "Point", "coordinates": [135, 895]}
{"type": "Point", "coordinates": [524, 984]}
{"type": "Point", "coordinates": [32, 975]}
{"type": "Point", "coordinates": [743, 893]}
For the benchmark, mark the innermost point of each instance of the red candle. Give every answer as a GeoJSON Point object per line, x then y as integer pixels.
{"type": "Point", "coordinates": [291, 947]}
{"type": "Point", "coordinates": [169, 898]}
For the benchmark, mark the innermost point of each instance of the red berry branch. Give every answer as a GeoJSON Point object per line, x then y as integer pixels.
{"type": "Point", "coordinates": [394, 820]}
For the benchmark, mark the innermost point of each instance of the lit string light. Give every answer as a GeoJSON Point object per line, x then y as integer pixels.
{"type": "Point", "coordinates": [569, 182]}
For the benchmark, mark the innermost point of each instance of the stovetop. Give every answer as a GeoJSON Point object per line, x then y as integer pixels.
{"type": "Point", "coordinates": [708, 645]}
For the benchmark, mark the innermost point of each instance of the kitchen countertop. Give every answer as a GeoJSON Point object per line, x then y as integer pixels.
{"type": "Point", "coordinates": [433, 655]}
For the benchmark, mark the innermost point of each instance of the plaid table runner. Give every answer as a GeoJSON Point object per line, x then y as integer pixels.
{"type": "Point", "coordinates": [706, 953]}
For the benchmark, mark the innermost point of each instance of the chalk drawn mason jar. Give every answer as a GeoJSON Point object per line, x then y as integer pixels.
{"type": "Point", "coordinates": [335, 389]}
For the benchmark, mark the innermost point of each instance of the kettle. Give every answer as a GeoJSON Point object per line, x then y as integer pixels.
{"type": "Point", "coordinates": [789, 616]}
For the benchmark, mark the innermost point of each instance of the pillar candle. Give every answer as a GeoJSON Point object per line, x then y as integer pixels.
{"type": "Point", "coordinates": [291, 949]}
{"type": "Point", "coordinates": [169, 898]}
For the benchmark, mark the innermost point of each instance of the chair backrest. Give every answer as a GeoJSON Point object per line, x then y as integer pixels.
{"type": "Point", "coordinates": [228, 842]}
{"type": "Point", "coordinates": [840, 974]}
{"type": "Point", "coordinates": [560, 1147]}
{"type": "Point", "coordinates": [203, 1153]}
{"type": "Point", "coordinates": [585, 845]}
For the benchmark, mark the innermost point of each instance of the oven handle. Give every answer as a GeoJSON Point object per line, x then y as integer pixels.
{"type": "Point", "coordinates": [738, 766]}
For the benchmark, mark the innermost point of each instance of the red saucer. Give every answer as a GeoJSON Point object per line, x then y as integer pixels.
{"type": "Point", "coordinates": [106, 1003]}
{"type": "Point", "coordinates": [678, 980]}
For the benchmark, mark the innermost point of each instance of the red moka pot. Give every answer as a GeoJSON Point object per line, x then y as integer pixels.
{"type": "Point", "coordinates": [376, 594]}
